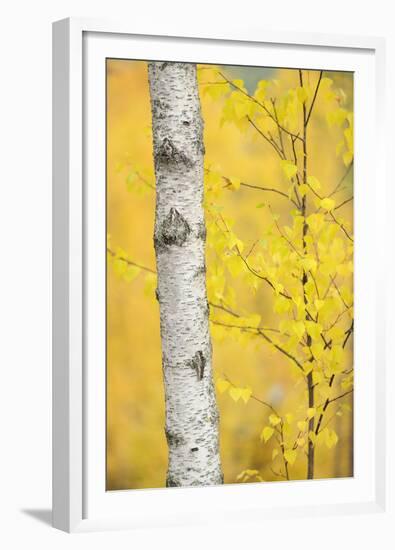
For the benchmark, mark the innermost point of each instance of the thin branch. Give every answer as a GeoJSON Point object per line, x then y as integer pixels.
{"type": "Point", "coordinates": [342, 227]}
{"type": "Point", "coordinates": [336, 188]}
{"type": "Point", "coordinates": [348, 334]}
{"type": "Point", "coordinates": [313, 100]}
{"type": "Point", "coordinates": [129, 262]}
{"type": "Point", "coordinates": [224, 308]}
{"type": "Point", "coordinates": [259, 188]}
{"type": "Point", "coordinates": [343, 203]}
{"type": "Point", "coordinates": [293, 247]}
{"type": "Point", "coordinates": [266, 138]}
{"type": "Point", "coordinates": [254, 397]}
{"type": "Point", "coordinates": [339, 293]}
{"type": "Point", "coordinates": [280, 135]}
{"type": "Point", "coordinates": [256, 330]}
{"type": "Point", "coordinates": [277, 474]}
{"type": "Point", "coordinates": [260, 331]}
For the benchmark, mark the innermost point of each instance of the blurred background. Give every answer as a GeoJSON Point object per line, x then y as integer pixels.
{"type": "Point", "coordinates": [136, 444]}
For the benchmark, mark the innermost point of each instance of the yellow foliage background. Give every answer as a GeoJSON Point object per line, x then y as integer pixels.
{"type": "Point", "coordinates": [136, 444]}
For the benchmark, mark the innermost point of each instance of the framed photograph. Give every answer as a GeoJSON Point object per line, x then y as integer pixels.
{"type": "Point", "coordinates": [218, 276]}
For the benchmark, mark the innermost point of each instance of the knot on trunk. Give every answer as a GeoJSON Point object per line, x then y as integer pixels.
{"type": "Point", "coordinates": [174, 439]}
{"type": "Point", "coordinates": [172, 482]}
{"type": "Point", "coordinates": [168, 154]}
{"type": "Point", "coordinates": [174, 230]}
{"type": "Point", "coordinates": [198, 362]}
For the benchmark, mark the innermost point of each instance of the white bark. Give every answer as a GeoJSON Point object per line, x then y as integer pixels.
{"type": "Point", "coordinates": [191, 412]}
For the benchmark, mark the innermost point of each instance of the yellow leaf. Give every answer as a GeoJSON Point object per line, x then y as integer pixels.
{"type": "Point", "coordinates": [120, 266]}
{"type": "Point", "coordinates": [241, 105]}
{"type": "Point", "coordinates": [274, 453]}
{"type": "Point", "coordinates": [247, 474]}
{"type": "Point", "coordinates": [327, 204]}
{"type": "Point", "coordinates": [347, 157]}
{"type": "Point", "coordinates": [238, 83]}
{"type": "Point", "coordinates": [131, 273]}
{"type": "Point", "coordinates": [315, 222]}
{"type": "Point", "coordinates": [313, 183]}
{"type": "Point", "coordinates": [235, 265]}
{"type": "Point", "coordinates": [330, 437]}
{"type": "Point", "coordinates": [234, 184]}
{"type": "Point", "coordinates": [290, 456]}
{"type": "Point", "coordinates": [298, 328]}
{"type": "Point", "coordinates": [282, 305]}
{"type": "Point", "coordinates": [245, 394]}
{"type": "Point", "coordinates": [317, 350]}
{"type": "Point", "coordinates": [235, 393]}
{"type": "Point", "coordinates": [274, 419]}
{"type": "Point", "coordinates": [289, 418]}
{"type": "Point", "coordinates": [309, 264]}
{"type": "Point", "coordinates": [317, 377]}
{"type": "Point", "coordinates": [336, 117]}
{"type": "Point", "coordinates": [222, 385]}
{"type": "Point", "coordinates": [303, 188]}
{"type": "Point", "coordinates": [216, 90]}
{"type": "Point", "coordinates": [302, 425]}
{"type": "Point", "coordinates": [301, 94]}
{"type": "Point", "coordinates": [235, 242]}
{"type": "Point", "coordinates": [307, 367]}
{"type": "Point", "coordinates": [310, 412]}
{"type": "Point", "coordinates": [289, 168]}
{"type": "Point", "coordinates": [314, 329]}
{"type": "Point", "coordinates": [300, 441]}
{"type": "Point", "coordinates": [267, 433]}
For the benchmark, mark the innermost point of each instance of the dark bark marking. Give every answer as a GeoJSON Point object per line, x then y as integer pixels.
{"type": "Point", "coordinates": [167, 153]}
{"type": "Point", "coordinates": [200, 271]}
{"type": "Point", "coordinates": [171, 482]}
{"type": "Point", "coordinates": [201, 146]}
{"type": "Point", "coordinates": [194, 449]}
{"type": "Point", "coordinates": [174, 231]}
{"type": "Point", "coordinates": [159, 108]}
{"type": "Point", "coordinates": [198, 363]}
{"type": "Point", "coordinates": [201, 231]}
{"type": "Point", "coordinates": [174, 440]}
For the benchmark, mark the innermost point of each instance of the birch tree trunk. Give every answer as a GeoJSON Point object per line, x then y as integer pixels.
{"type": "Point", "coordinates": [179, 236]}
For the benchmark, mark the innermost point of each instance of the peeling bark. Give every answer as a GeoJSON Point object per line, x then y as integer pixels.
{"type": "Point", "coordinates": [179, 237]}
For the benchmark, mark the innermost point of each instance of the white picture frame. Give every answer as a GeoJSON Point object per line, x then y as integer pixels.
{"type": "Point", "coordinates": [80, 502]}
